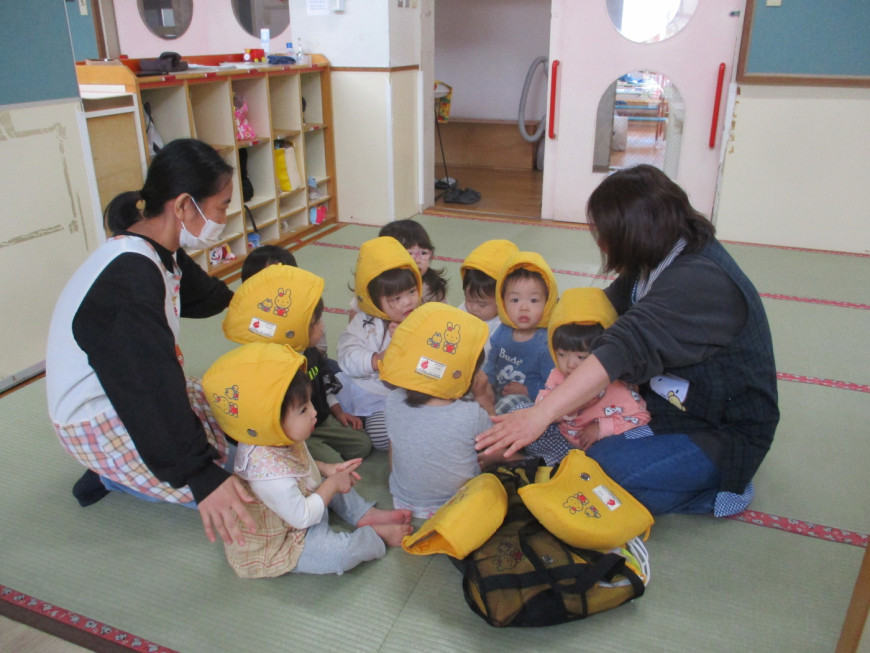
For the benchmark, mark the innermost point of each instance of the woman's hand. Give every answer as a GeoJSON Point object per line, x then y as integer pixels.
{"type": "Point", "coordinates": [223, 509]}
{"type": "Point", "coordinates": [513, 431]}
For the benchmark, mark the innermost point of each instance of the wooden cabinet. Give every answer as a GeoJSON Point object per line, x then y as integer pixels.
{"type": "Point", "coordinates": [198, 103]}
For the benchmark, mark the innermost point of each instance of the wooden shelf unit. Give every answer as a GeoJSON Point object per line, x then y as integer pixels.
{"type": "Point", "coordinates": [198, 103]}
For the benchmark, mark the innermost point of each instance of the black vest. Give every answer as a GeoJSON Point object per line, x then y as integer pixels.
{"type": "Point", "coordinates": [731, 405]}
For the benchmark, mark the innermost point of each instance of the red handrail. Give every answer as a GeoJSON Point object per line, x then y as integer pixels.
{"type": "Point", "coordinates": [551, 128]}
{"type": "Point", "coordinates": [716, 102]}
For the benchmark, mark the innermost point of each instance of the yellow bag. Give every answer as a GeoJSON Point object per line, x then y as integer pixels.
{"type": "Point", "coordinates": [465, 522]}
{"type": "Point", "coordinates": [281, 170]}
{"type": "Point", "coordinates": [584, 507]}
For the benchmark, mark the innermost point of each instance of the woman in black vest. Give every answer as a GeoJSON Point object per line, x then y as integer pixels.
{"type": "Point", "coordinates": [692, 333]}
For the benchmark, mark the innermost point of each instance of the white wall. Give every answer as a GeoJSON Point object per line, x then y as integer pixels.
{"type": "Point", "coordinates": [213, 30]}
{"type": "Point", "coordinates": [483, 49]}
{"type": "Point", "coordinates": [49, 223]}
{"type": "Point", "coordinates": [796, 169]}
{"type": "Point", "coordinates": [358, 36]}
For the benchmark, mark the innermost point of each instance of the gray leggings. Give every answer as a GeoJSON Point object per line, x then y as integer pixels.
{"type": "Point", "coordinates": [331, 552]}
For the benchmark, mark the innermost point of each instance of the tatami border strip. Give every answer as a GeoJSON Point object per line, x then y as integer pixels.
{"type": "Point", "coordinates": [800, 527]}
{"type": "Point", "coordinates": [829, 383]}
{"type": "Point", "coordinates": [71, 626]}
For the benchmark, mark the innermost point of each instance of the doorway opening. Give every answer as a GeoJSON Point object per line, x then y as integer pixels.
{"type": "Point", "coordinates": [484, 50]}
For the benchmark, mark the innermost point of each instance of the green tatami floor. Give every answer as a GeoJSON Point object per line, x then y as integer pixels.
{"type": "Point", "coordinates": [717, 585]}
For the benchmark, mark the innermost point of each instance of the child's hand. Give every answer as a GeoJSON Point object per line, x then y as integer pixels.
{"type": "Point", "coordinates": [331, 469]}
{"type": "Point", "coordinates": [344, 480]}
{"type": "Point", "coordinates": [392, 328]}
{"type": "Point", "coordinates": [514, 388]}
{"type": "Point", "coordinates": [345, 419]}
{"type": "Point", "coordinates": [589, 435]}
{"type": "Point", "coordinates": [375, 358]}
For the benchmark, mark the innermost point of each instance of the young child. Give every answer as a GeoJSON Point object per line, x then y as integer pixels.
{"type": "Point", "coordinates": [265, 255]}
{"type": "Point", "coordinates": [581, 315]}
{"type": "Point", "coordinates": [519, 361]}
{"type": "Point", "coordinates": [387, 286]}
{"type": "Point", "coordinates": [283, 304]}
{"type": "Point", "coordinates": [479, 272]}
{"type": "Point", "coordinates": [260, 396]}
{"type": "Point", "coordinates": [432, 360]}
{"type": "Point", "coordinates": [414, 238]}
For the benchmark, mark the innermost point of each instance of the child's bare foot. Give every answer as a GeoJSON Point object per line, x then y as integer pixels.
{"type": "Point", "coordinates": [392, 534]}
{"type": "Point", "coordinates": [377, 516]}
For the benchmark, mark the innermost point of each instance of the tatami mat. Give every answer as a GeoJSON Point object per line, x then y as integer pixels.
{"type": "Point", "coordinates": [717, 585]}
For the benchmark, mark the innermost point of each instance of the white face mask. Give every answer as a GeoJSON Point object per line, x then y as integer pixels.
{"type": "Point", "coordinates": [209, 236]}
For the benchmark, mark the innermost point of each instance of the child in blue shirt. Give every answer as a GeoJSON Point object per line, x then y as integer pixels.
{"type": "Point", "coordinates": [519, 360]}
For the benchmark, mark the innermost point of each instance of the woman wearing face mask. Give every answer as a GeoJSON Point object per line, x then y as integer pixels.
{"type": "Point", "coordinates": [118, 397]}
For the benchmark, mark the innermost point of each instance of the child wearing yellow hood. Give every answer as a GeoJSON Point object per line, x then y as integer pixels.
{"type": "Point", "coordinates": [261, 397]}
{"type": "Point", "coordinates": [387, 288]}
{"type": "Point", "coordinates": [519, 361]}
{"type": "Point", "coordinates": [581, 315]}
{"type": "Point", "coordinates": [281, 303]}
{"type": "Point", "coordinates": [431, 361]}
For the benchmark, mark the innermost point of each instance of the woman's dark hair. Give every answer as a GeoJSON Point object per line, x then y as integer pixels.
{"type": "Point", "coordinates": [576, 337]}
{"type": "Point", "coordinates": [298, 392]}
{"type": "Point", "coordinates": [415, 398]}
{"type": "Point", "coordinates": [478, 284]}
{"type": "Point", "coordinates": [391, 282]}
{"type": "Point", "coordinates": [524, 273]}
{"type": "Point", "coordinates": [411, 233]}
{"type": "Point", "coordinates": [637, 216]}
{"type": "Point", "coordinates": [264, 256]}
{"type": "Point", "coordinates": [184, 165]}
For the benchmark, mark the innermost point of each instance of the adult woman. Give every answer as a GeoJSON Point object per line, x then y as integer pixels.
{"type": "Point", "coordinates": [692, 332]}
{"type": "Point", "coordinates": [117, 393]}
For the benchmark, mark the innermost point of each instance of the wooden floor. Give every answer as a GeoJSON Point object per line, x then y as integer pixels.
{"type": "Point", "coordinates": [506, 193]}
{"type": "Point", "coordinates": [18, 637]}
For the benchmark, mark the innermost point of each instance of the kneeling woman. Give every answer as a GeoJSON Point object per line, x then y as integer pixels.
{"type": "Point", "coordinates": [117, 394]}
{"type": "Point", "coordinates": [692, 332]}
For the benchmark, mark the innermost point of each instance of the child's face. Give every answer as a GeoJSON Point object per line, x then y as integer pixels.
{"type": "Point", "coordinates": [483, 307]}
{"type": "Point", "coordinates": [524, 302]}
{"type": "Point", "coordinates": [299, 421]}
{"type": "Point", "coordinates": [421, 257]}
{"type": "Point", "coordinates": [567, 360]}
{"type": "Point", "coordinates": [399, 306]}
{"type": "Point", "coordinates": [315, 332]}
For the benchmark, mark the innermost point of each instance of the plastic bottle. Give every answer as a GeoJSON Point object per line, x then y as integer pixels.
{"type": "Point", "coordinates": [299, 53]}
{"type": "Point", "coordinates": [289, 49]}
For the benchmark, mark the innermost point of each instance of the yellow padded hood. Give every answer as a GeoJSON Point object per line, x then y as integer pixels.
{"type": "Point", "coordinates": [245, 388]}
{"type": "Point", "coordinates": [534, 262]}
{"type": "Point", "coordinates": [375, 257]}
{"type": "Point", "coordinates": [275, 305]}
{"type": "Point", "coordinates": [434, 350]}
{"type": "Point", "coordinates": [580, 306]}
{"type": "Point", "coordinates": [489, 257]}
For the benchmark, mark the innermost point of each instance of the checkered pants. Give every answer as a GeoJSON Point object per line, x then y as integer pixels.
{"type": "Point", "coordinates": [103, 445]}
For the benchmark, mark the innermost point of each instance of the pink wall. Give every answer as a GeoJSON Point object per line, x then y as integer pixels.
{"type": "Point", "coordinates": [211, 31]}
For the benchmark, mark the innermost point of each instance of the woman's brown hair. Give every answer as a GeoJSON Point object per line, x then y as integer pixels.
{"type": "Point", "coordinates": [638, 214]}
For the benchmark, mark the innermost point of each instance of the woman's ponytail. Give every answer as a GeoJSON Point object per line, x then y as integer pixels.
{"type": "Point", "coordinates": [123, 211]}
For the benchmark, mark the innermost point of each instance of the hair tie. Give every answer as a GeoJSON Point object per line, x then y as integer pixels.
{"type": "Point", "coordinates": [140, 204]}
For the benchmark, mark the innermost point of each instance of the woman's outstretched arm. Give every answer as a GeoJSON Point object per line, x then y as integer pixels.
{"type": "Point", "coordinates": [513, 431]}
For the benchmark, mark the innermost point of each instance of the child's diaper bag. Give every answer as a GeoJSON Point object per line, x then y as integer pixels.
{"type": "Point", "coordinates": [524, 575]}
